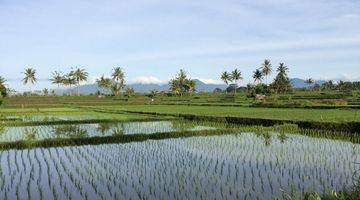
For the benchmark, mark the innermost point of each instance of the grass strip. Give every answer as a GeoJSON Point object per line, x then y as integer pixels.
{"type": "Point", "coordinates": [349, 127]}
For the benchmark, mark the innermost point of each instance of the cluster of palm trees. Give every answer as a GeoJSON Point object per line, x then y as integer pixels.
{"type": "Point", "coordinates": [72, 78]}
{"type": "Point", "coordinates": [76, 76]}
{"type": "Point", "coordinates": [182, 84]}
{"type": "Point", "coordinates": [258, 75]}
{"type": "Point", "coordinates": [280, 83]}
{"type": "Point", "coordinates": [114, 84]}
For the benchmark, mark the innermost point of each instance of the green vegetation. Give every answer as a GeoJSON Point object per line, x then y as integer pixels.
{"type": "Point", "coordinates": [311, 125]}
{"type": "Point", "coordinates": [328, 115]}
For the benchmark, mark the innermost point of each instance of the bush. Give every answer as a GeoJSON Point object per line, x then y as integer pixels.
{"type": "Point", "coordinates": [261, 88]}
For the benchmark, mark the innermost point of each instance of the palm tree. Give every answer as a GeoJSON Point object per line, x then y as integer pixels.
{"type": "Point", "coordinates": [104, 82]}
{"type": "Point", "coordinates": [236, 76]}
{"type": "Point", "coordinates": [69, 80]}
{"type": "Point", "coordinates": [30, 77]}
{"type": "Point", "coordinates": [119, 77]}
{"type": "Point", "coordinates": [282, 69]}
{"type": "Point", "coordinates": [79, 75]}
{"type": "Point", "coordinates": [258, 76]}
{"type": "Point", "coordinates": [57, 78]}
{"type": "Point", "coordinates": [309, 82]}
{"type": "Point", "coordinates": [266, 69]}
{"type": "Point", "coordinates": [226, 77]}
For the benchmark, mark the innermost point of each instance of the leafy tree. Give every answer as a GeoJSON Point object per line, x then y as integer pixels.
{"type": "Point", "coordinates": [182, 84]}
{"type": "Point", "coordinates": [79, 75]}
{"type": "Point", "coordinates": [266, 68]}
{"type": "Point", "coordinates": [118, 77]}
{"type": "Point", "coordinates": [328, 85]}
{"type": "Point", "coordinates": [30, 76]}
{"type": "Point", "coordinates": [236, 76]}
{"type": "Point", "coordinates": [258, 76]}
{"type": "Point", "coordinates": [191, 86]}
{"type": "Point", "coordinates": [152, 94]}
{"type": "Point", "coordinates": [3, 89]}
{"type": "Point", "coordinates": [281, 83]}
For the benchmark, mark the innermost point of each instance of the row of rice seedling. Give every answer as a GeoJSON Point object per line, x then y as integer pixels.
{"type": "Point", "coordinates": [347, 126]}
{"type": "Point", "coordinates": [58, 135]}
{"type": "Point", "coordinates": [238, 166]}
{"type": "Point", "coordinates": [17, 133]}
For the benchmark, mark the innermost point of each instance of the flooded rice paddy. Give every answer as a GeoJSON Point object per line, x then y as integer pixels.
{"type": "Point", "coordinates": [18, 133]}
{"type": "Point", "coordinates": [238, 166]}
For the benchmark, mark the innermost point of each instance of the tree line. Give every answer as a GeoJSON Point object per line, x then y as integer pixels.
{"type": "Point", "coordinates": [182, 83]}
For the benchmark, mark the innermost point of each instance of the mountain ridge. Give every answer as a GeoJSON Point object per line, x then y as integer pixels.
{"type": "Point", "coordinates": [200, 86]}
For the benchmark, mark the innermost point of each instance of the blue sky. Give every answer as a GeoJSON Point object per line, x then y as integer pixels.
{"type": "Point", "coordinates": [153, 39]}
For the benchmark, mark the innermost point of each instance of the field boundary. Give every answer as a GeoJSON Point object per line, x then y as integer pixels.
{"type": "Point", "coordinates": [349, 127]}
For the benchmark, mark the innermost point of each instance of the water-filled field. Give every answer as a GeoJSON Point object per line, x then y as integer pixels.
{"type": "Point", "coordinates": [16, 133]}
{"type": "Point", "coordinates": [238, 166]}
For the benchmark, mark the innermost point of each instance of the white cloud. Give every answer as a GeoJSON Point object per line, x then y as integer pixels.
{"type": "Point", "coordinates": [146, 80]}
{"type": "Point", "coordinates": [208, 80]}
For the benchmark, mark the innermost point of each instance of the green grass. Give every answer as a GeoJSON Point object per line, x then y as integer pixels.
{"type": "Point", "coordinates": [297, 114]}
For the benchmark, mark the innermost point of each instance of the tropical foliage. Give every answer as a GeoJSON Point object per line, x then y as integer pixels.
{"type": "Point", "coordinates": [182, 84]}
{"type": "Point", "coordinates": [3, 89]}
{"type": "Point", "coordinates": [281, 82]}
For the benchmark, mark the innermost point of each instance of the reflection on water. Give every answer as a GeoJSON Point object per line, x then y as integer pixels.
{"type": "Point", "coordinates": [242, 166]}
{"type": "Point", "coordinates": [100, 129]}
{"type": "Point", "coordinates": [70, 131]}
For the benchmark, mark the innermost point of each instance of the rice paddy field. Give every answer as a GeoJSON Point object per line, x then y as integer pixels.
{"type": "Point", "coordinates": [122, 151]}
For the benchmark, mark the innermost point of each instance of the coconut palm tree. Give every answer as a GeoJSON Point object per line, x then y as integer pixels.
{"type": "Point", "coordinates": [266, 69]}
{"type": "Point", "coordinates": [119, 77]}
{"type": "Point", "coordinates": [104, 82]}
{"type": "Point", "coordinates": [57, 78]}
{"type": "Point", "coordinates": [236, 76]}
{"type": "Point", "coordinates": [226, 77]}
{"type": "Point", "coordinates": [79, 75]}
{"type": "Point", "coordinates": [282, 69]}
{"type": "Point", "coordinates": [258, 76]}
{"type": "Point", "coordinates": [30, 77]}
{"type": "Point", "coordinates": [69, 80]}
{"type": "Point", "coordinates": [309, 82]}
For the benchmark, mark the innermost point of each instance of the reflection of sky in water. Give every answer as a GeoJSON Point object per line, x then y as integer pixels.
{"type": "Point", "coordinates": [102, 129]}
{"type": "Point", "coordinates": [213, 167]}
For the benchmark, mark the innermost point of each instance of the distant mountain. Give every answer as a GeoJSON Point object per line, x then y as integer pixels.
{"type": "Point", "coordinates": [144, 88]}
{"type": "Point", "coordinates": [200, 86]}
{"type": "Point", "coordinates": [300, 83]}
